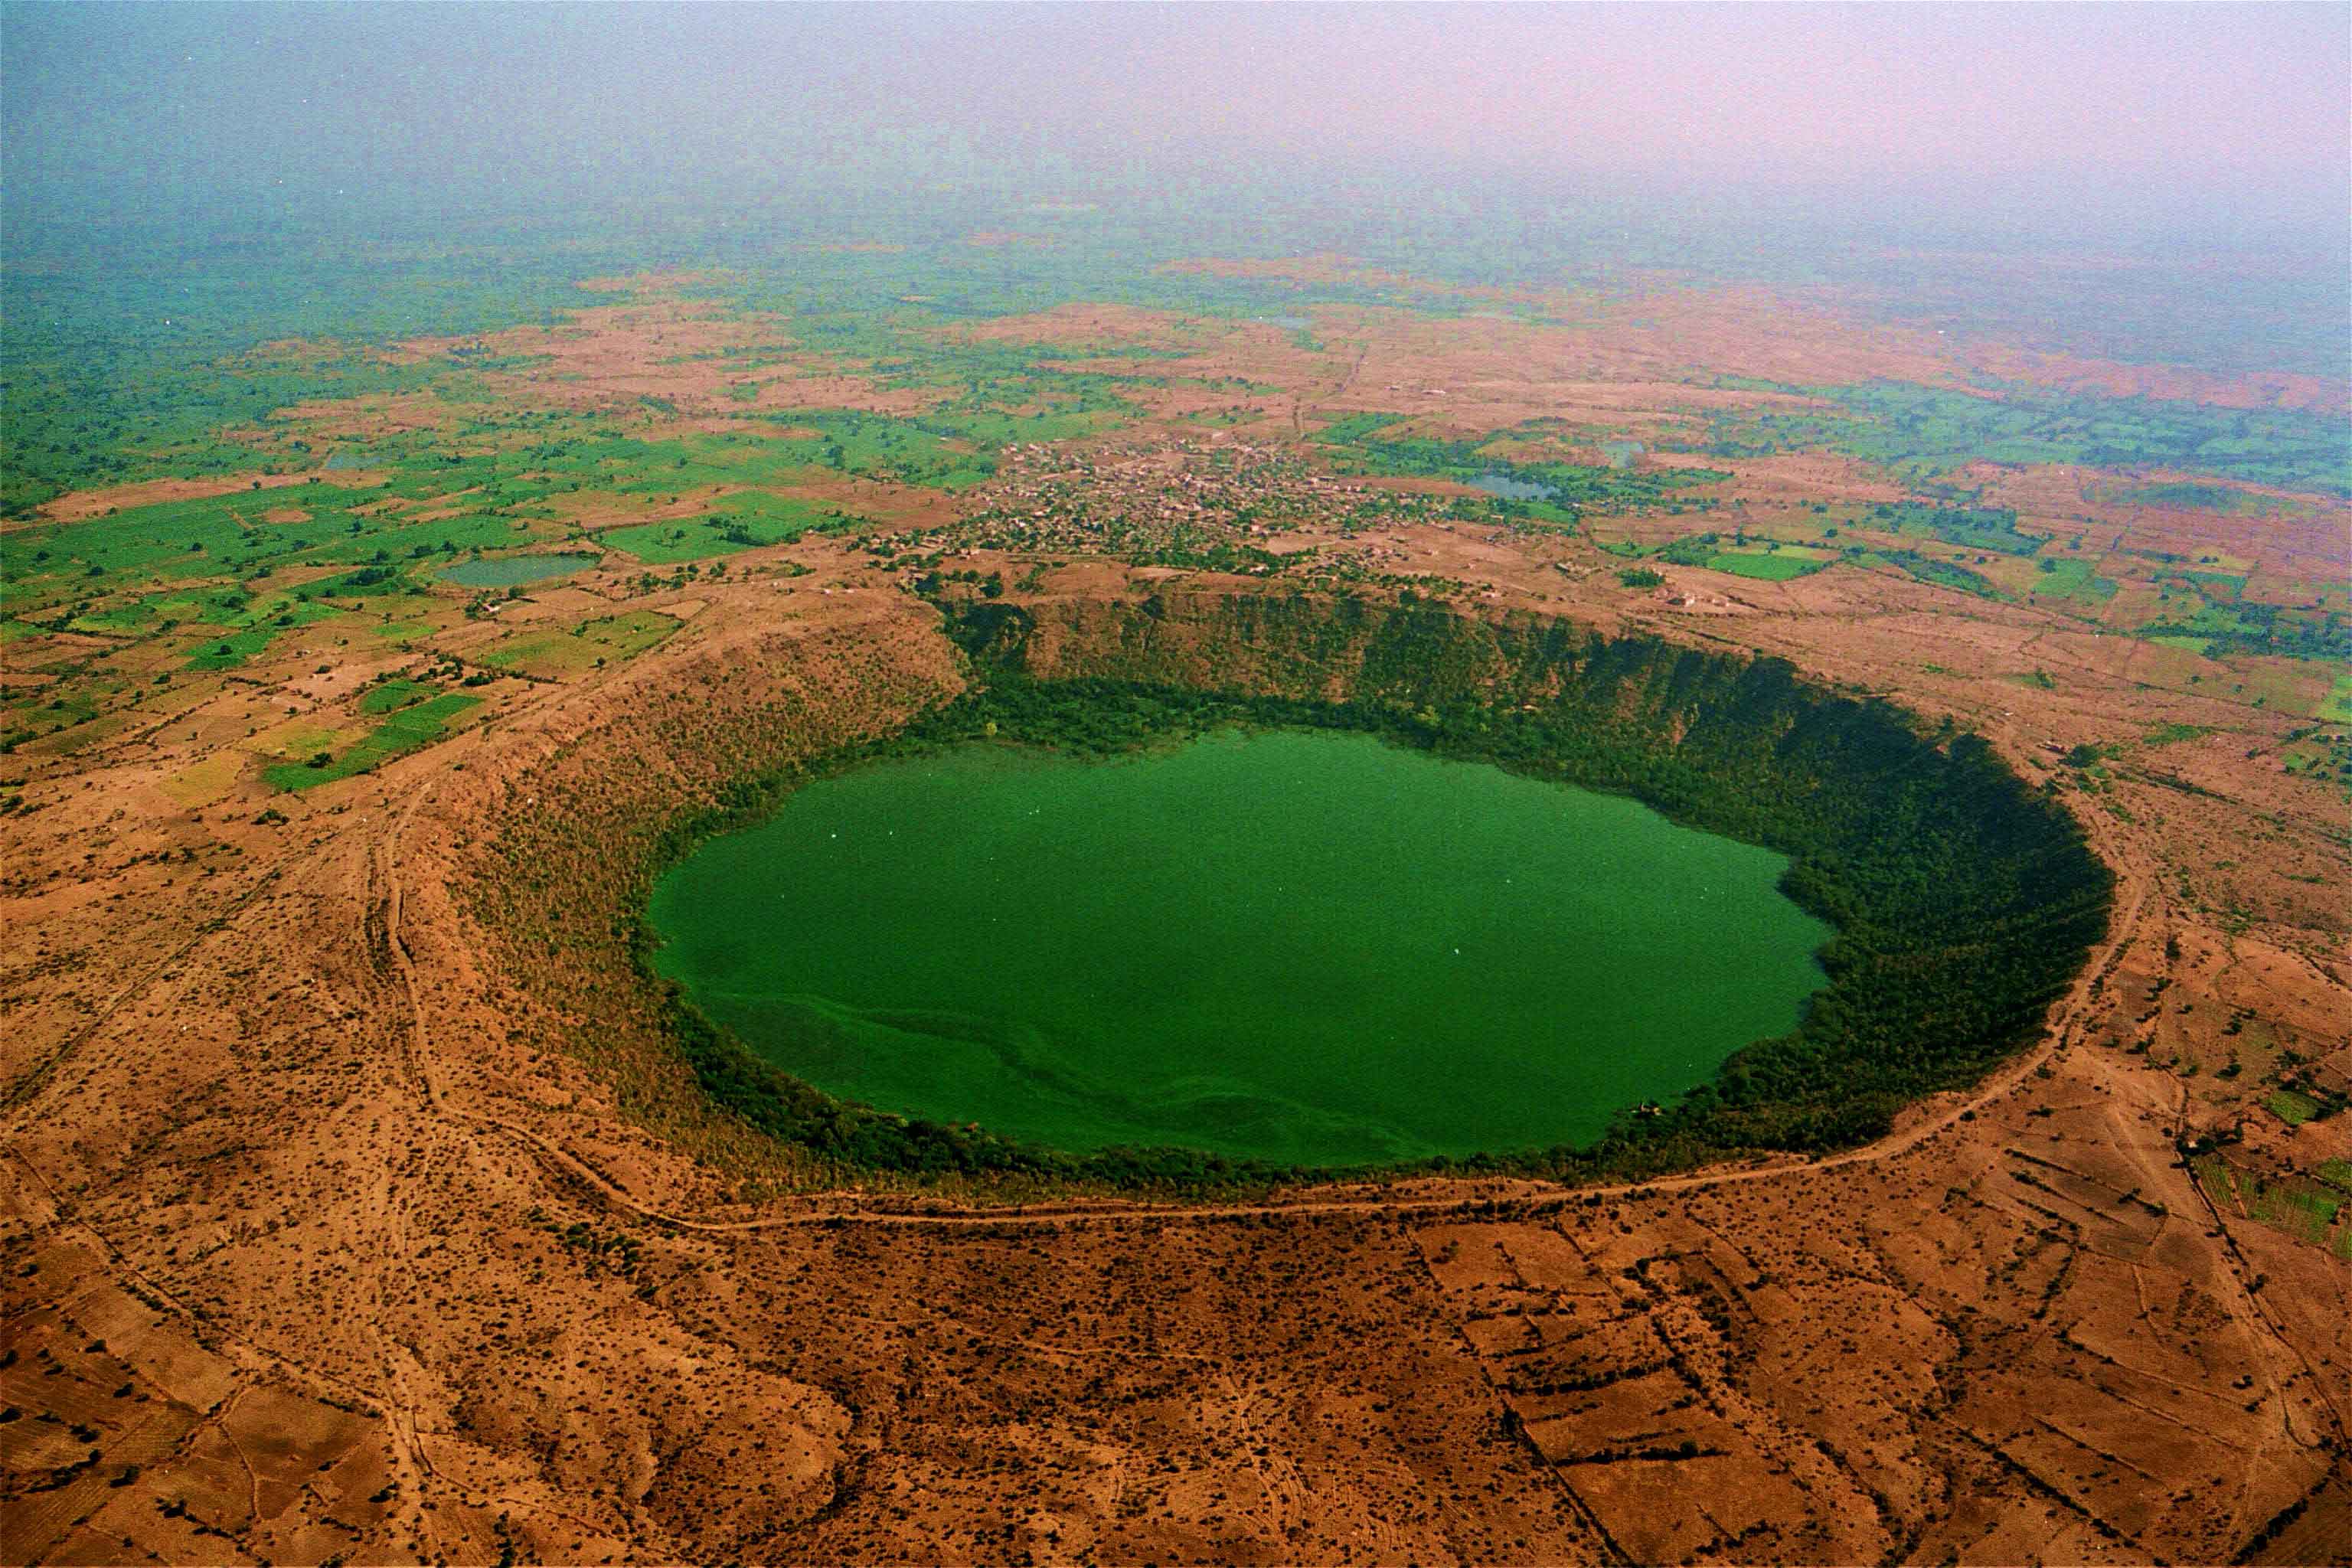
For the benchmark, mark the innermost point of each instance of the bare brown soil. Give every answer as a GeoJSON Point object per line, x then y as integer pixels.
{"type": "Point", "coordinates": [84, 504]}
{"type": "Point", "coordinates": [345, 1215]}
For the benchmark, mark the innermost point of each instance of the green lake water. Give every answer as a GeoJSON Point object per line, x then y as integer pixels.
{"type": "Point", "coordinates": [1300, 946]}
{"type": "Point", "coordinates": [513, 571]}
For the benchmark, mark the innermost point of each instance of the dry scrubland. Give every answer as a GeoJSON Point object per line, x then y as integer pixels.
{"type": "Point", "coordinates": [350, 1214]}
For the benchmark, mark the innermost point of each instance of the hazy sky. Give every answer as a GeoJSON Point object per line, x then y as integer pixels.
{"type": "Point", "coordinates": [2157, 113]}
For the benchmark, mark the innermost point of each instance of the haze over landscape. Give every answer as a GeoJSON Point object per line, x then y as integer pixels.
{"type": "Point", "coordinates": [1175, 783]}
{"type": "Point", "coordinates": [1996, 117]}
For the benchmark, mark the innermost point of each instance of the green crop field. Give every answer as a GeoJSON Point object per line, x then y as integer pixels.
{"type": "Point", "coordinates": [257, 627]}
{"type": "Point", "coordinates": [1778, 567]}
{"type": "Point", "coordinates": [2304, 1210]}
{"type": "Point", "coordinates": [394, 694]}
{"type": "Point", "coordinates": [2292, 1106]}
{"type": "Point", "coordinates": [1942, 574]}
{"type": "Point", "coordinates": [742, 522]}
{"type": "Point", "coordinates": [407, 730]}
{"type": "Point", "coordinates": [2074, 578]}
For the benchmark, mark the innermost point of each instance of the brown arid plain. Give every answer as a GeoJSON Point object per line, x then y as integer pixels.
{"type": "Point", "coordinates": [353, 1211]}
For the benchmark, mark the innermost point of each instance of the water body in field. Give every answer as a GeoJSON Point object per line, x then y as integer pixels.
{"type": "Point", "coordinates": [1511, 488]}
{"type": "Point", "coordinates": [1307, 947]}
{"type": "Point", "coordinates": [513, 571]}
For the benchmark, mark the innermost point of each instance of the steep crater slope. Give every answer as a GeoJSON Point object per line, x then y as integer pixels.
{"type": "Point", "coordinates": [1964, 903]}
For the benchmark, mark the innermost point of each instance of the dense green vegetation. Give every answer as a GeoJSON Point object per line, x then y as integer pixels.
{"type": "Point", "coordinates": [513, 571]}
{"type": "Point", "coordinates": [1766, 561]}
{"type": "Point", "coordinates": [1964, 903]}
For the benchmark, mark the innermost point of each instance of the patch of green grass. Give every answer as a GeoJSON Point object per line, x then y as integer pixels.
{"type": "Point", "coordinates": [371, 582]}
{"type": "Point", "coordinates": [46, 715]}
{"type": "Point", "coordinates": [2292, 1106]}
{"type": "Point", "coordinates": [999, 427]}
{"type": "Point", "coordinates": [2335, 1174]}
{"type": "Point", "coordinates": [1971, 528]}
{"type": "Point", "coordinates": [224, 608]}
{"type": "Point", "coordinates": [2213, 1174]}
{"type": "Point", "coordinates": [609, 460]}
{"type": "Point", "coordinates": [912, 451]}
{"type": "Point", "coordinates": [1768, 568]}
{"type": "Point", "coordinates": [1942, 574]}
{"type": "Point", "coordinates": [2303, 1211]}
{"type": "Point", "coordinates": [668, 544]}
{"type": "Point", "coordinates": [173, 539]}
{"type": "Point", "coordinates": [2223, 585]}
{"type": "Point", "coordinates": [394, 694]}
{"type": "Point", "coordinates": [401, 631]}
{"type": "Point", "coordinates": [743, 523]}
{"type": "Point", "coordinates": [409, 730]}
{"type": "Point", "coordinates": [232, 649]}
{"type": "Point", "coordinates": [2193, 645]}
{"type": "Point", "coordinates": [1360, 444]}
{"type": "Point", "coordinates": [2074, 578]}
{"type": "Point", "coordinates": [226, 536]}
{"type": "Point", "coordinates": [2265, 630]}
{"type": "Point", "coordinates": [2336, 707]}
{"type": "Point", "coordinates": [2201, 497]}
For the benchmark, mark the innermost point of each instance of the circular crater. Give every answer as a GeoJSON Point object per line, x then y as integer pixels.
{"type": "Point", "coordinates": [1069, 1021]}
